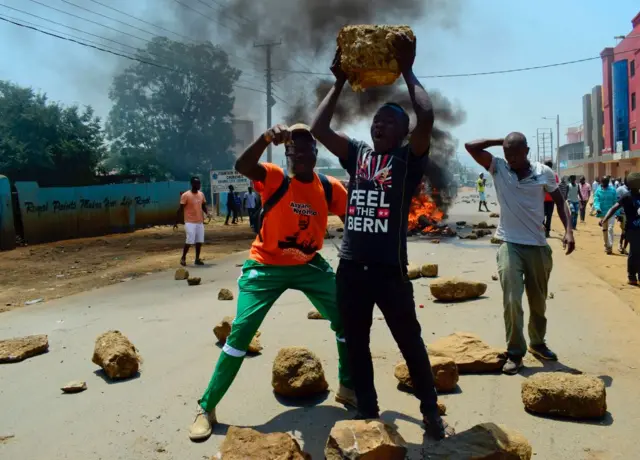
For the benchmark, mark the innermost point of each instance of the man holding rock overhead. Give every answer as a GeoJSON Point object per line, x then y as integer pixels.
{"type": "Point", "coordinates": [373, 256]}
{"type": "Point", "coordinates": [524, 259]}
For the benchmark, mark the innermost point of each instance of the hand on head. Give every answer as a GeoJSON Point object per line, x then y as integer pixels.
{"type": "Point", "coordinates": [278, 134]}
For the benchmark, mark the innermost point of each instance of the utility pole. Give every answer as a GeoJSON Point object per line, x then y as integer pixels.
{"type": "Point", "coordinates": [269, 77]}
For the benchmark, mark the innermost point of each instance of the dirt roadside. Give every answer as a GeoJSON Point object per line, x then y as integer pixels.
{"type": "Point", "coordinates": [54, 270]}
{"type": "Point", "coordinates": [590, 254]}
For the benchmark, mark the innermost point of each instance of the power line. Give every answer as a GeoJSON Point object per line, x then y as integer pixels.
{"type": "Point", "coordinates": [115, 53]}
{"type": "Point", "coordinates": [91, 21]}
{"type": "Point", "coordinates": [205, 16]}
{"type": "Point", "coordinates": [86, 40]}
{"type": "Point", "coordinates": [475, 74]}
{"type": "Point", "coordinates": [106, 26]}
{"type": "Point", "coordinates": [107, 17]}
{"type": "Point", "coordinates": [245, 72]}
{"type": "Point", "coordinates": [215, 9]}
{"type": "Point", "coordinates": [142, 20]}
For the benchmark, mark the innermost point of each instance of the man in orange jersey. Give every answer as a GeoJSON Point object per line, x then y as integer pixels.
{"type": "Point", "coordinates": [284, 255]}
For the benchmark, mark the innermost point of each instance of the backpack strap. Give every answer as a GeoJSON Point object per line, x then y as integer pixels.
{"type": "Point", "coordinates": [328, 188]}
{"type": "Point", "coordinates": [273, 200]}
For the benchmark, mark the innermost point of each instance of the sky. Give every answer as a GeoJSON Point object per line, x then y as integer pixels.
{"type": "Point", "coordinates": [482, 35]}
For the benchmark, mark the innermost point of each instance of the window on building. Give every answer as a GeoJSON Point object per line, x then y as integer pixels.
{"type": "Point", "coordinates": [633, 101]}
{"type": "Point", "coordinates": [634, 136]}
{"type": "Point", "coordinates": [632, 68]}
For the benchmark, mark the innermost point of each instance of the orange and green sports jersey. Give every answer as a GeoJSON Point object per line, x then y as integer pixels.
{"type": "Point", "coordinates": [293, 230]}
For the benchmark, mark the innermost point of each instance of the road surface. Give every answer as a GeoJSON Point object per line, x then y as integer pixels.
{"type": "Point", "coordinates": [171, 324]}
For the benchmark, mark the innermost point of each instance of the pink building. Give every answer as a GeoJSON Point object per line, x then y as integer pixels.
{"type": "Point", "coordinates": [575, 134]}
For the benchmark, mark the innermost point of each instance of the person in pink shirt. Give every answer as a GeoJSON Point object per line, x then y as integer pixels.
{"type": "Point", "coordinates": [585, 194]}
{"type": "Point", "coordinates": [193, 206]}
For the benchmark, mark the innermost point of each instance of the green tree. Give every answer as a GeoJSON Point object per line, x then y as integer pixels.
{"type": "Point", "coordinates": [173, 121]}
{"type": "Point", "coordinates": [46, 142]}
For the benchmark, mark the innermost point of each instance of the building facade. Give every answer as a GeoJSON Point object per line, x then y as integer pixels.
{"type": "Point", "coordinates": [613, 148]}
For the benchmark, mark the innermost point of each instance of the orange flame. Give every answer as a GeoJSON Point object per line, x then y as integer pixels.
{"type": "Point", "coordinates": [423, 205]}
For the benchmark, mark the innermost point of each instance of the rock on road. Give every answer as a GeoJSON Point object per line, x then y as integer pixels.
{"type": "Point", "coordinates": [171, 325]}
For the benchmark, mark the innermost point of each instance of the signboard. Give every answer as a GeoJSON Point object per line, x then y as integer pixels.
{"type": "Point", "coordinates": [564, 165]}
{"type": "Point", "coordinates": [221, 180]}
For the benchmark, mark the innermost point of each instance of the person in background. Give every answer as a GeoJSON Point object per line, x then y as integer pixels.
{"type": "Point", "coordinates": [604, 200]}
{"type": "Point", "coordinates": [524, 259]}
{"type": "Point", "coordinates": [630, 203]}
{"type": "Point", "coordinates": [563, 187]}
{"type": "Point", "coordinates": [480, 186]}
{"type": "Point", "coordinates": [585, 195]}
{"type": "Point", "coordinates": [621, 217]}
{"type": "Point", "coordinates": [285, 255]}
{"type": "Point", "coordinates": [548, 204]}
{"type": "Point", "coordinates": [232, 209]}
{"type": "Point", "coordinates": [573, 197]}
{"type": "Point", "coordinates": [238, 200]}
{"type": "Point", "coordinates": [193, 206]}
{"type": "Point", "coordinates": [594, 188]}
{"type": "Point", "coordinates": [373, 255]}
{"type": "Point", "coordinates": [251, 202]}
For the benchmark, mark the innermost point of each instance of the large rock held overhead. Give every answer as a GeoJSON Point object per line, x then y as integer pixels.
{"type": "Point", "coordinates": [486, 441]}
{"type": "Point", "coordinates": [245, 443]}
{"type": "Point", "coordinates": [116, 355]}
{"type": "Point", "coordinates": [368, 54]}
{"type": "Point", "coordinates": [469, 352]}
{"type": "Point", "coordinates": [364, 440]}
{"type": "Point", "coordinates": [566, 395]}
{"type": "Point", "coordinates": [20, 348]}
{"type": "Point", "coordinates": [445, 374]}
{"type": "Point", "coordinates": [455, 290]}
{"type": "Point", "coordinates": [298, 373]}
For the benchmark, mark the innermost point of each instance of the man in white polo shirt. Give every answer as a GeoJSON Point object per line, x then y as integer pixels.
{"type": "Point", "coordinates": [250, 201]}
{"type": "Point", "coordinates": [524, 259]}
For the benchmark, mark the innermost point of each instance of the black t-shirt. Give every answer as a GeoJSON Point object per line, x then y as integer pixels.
{"type": "Point", "coordinates": [631, 205]}
{"type": "Point", "coordinates": [380, 190]}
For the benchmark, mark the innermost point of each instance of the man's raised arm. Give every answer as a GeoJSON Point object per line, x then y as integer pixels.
{"type": "Point", "coordinates": [478, 150]}
{"type": "Point", "coordinates": [336, 143]}
{"type": "Point", "coordinates": [248, 163]}
{"type": "Point", "coordinates": [422, 106]}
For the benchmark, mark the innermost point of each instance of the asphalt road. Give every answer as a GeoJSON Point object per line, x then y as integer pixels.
{"type": "Point", "coordinates": [171, 324]}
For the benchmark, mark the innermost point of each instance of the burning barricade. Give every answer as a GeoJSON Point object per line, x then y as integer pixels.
{"type": "Point", "coordinates": [425, 218]}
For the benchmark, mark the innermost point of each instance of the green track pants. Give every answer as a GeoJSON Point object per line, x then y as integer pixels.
{"type": "Point", "coordinates": [259, 287]}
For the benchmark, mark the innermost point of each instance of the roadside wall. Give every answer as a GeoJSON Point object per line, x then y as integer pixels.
{"type": "Point", "coordinates": [57, 213]}
{"type": "Point", "coordinates": [7, 228]}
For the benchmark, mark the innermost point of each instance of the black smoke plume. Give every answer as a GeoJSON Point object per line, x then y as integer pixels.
{"type": "Point", "coordinates": [308, 31]}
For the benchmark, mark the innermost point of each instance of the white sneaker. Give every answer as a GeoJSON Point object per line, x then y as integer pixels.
{"type": "Point", "coordinates": [202, 426]}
